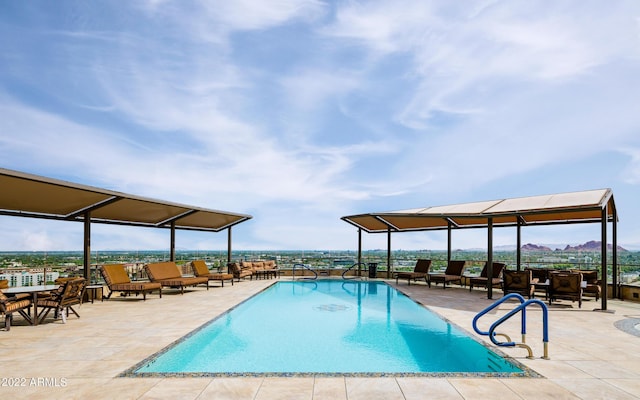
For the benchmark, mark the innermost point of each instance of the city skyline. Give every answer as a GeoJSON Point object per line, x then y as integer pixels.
{"type": "Point", "coordinates": [299, 112]}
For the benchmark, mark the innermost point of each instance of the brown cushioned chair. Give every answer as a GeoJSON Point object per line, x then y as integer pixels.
{"type": "Point", "coordinates": [420, 271]}
{"type": "Point", "coordinates": [10, 305]}
{"type": "Point", "coordinates": [271, 268]}
{"type": "Point", "coordinates": [200, 269]}
{"type": "Point", "coordinates": [168, 274]}
{"type": "Point", "coordinates": [518, 282]}
{"type": "Point", "coordinates": [63, 301]}
{"type": "Point", "coordinates": [453, 273]}
{"type": "Point", "coordinates": [483, 280]}
{"type": "Point", "coordinates": [118, 280]}
{"type": "Point", "coordinates": [593, 283]}
{"type": "Point", "coordinates": [240, 272]}
{"type": "Point", "coordinates": [566, 286]}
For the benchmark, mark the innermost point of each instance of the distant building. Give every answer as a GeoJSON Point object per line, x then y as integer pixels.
{"type": "Point", "coordinates": [27, 277]}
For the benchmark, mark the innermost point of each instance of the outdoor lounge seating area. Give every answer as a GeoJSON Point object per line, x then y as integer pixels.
{"type": "Point", "coordinates": [168, 275]}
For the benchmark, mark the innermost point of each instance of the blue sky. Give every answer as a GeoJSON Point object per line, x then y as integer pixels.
{"type": "Point", "coordinates": [299, 112]}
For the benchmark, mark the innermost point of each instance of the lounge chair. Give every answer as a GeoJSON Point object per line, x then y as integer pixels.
{"type": "Point", "coordinates": [483, 279]}
{"type": "Point", "coordinates": [62, 301]}
{"type": "Point", "coordinates": [168, 274]}
{"type": "Point", "coordinates": [420, 271]}
{"type": "Point", "coordinates": [118, 280]}
{"type": "Point", "coordinates": [520, 282]}
{"type": "Point", "coordinates": [10, 305]}
{"type": "Point", "coordinates": [565, 285]}
{"type": "Point", "coordinates": [200, 269]}
{"type": "Point", "coordinates": [240, 272]}
{"type": "Point", "coordinates": [453, 273]}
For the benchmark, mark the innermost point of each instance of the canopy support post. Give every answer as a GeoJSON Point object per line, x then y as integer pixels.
{"type": "Point", "coordinates": [490, 259]}
{"type": "Point", "coordinates": [603, 266]}
{"type": "Point", "coordinates": [448, 242]}
{"type": "Point", "coordinates": [518, 245]}
{"type": "Point", "coordinates": [359, 250]}
{"type": "Point", "coordinates": [86, 256]}
{"type": "Point", "coordinates": [388, 253]}
{"type": "Point", "coordinates": [614, 255]}
{"type": "Point", "coordinates": [172, 250]}
{"type": "Point", "coordinates": [229, 245]}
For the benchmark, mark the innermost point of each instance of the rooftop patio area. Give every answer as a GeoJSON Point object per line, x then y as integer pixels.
{"type": "Point", "coordinates": [590, 357]}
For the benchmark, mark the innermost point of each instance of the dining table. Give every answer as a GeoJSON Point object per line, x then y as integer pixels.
{"type": "Point", "coordinates": [34, 291]}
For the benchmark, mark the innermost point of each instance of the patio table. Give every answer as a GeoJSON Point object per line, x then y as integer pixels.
{"type": "Point", "coordinates": [34, 290]}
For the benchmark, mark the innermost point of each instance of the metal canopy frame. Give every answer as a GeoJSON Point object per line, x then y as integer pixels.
{"type": "Point", "coordinates": [27, 195]}
{"type": "Point", "coordinates": [591, 206]}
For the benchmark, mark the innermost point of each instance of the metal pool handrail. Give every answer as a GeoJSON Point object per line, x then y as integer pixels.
{"type": "Point", "coordinates": [293, 272]}
{"type": "Point", "coordinates": [520, 308]}
{"type": "Point", "coordinates": [358, 264]}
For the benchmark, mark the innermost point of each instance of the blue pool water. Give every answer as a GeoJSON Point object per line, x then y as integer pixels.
{"type": "Point", "coordinates": [327, 327]}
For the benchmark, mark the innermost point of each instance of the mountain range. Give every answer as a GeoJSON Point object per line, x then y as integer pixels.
{"type": "Point", "coordinates": [592, 245]}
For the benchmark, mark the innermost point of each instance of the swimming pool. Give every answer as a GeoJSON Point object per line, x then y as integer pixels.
{"type": "Point", "coordinates": [327, 327]}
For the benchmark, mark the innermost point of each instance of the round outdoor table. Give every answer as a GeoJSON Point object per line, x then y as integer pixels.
{"type": "Point", "coordinates": [34, 290]}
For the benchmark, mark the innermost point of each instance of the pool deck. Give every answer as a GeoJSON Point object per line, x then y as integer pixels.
{"type": "Point", "coordinates": [590, 358]}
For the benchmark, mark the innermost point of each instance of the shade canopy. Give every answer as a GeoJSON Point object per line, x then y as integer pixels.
{"type": "Point", "coordinates": [561, 208]}
{"type": "Point", "coordinates": [29, 195]}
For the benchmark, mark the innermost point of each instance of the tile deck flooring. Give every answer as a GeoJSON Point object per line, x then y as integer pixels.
{"type": "Point", "coordinates": [590, 357]}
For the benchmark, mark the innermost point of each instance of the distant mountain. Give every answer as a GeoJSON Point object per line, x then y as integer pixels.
{"type": "Point", "coordinates": [592, 245]}
{"type": "Point", "coordinates": [535, 247]}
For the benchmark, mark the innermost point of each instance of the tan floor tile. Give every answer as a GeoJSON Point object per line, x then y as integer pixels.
{"type": "Point", "coordinates": [630, 386]}
{"type": "Point", "coordinates": [594, 389]}
{"type": "Point", "coordinates": [232, 389]}
{"type": "Point", "coordinates": [286, 388]}
{"type": "Point", "coordinates": [176, 388]}
{"type": "Point", "coordinates": [373, 389]}
{"type": "Point", "coordinates": [431, 388]}
{"type": "Point", "coordinates": [329, 389]}
{"type": "Point", "coordinates": [538, 389]}
{"type": "Point", "coordinates": [474, 388]}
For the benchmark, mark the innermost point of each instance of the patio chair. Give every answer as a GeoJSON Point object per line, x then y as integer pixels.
{"type": "Point", "coordinates": [592, 283]}
{"type": "Point", "coordinates": [566, 286]}
{"type": "Point", "coordinates": [483, 279]}
{"type": "Point", "coordinates": [200, 269]}
{"type": "Point", "coordinates": [168, 274]}
{"type": "Point", "coordinates": [421, 270]}
{"type": "Point", "coordinates": [520, 282]}
{"type": "Point", "coordinates": [62, 302]}
{"type": "Point", "coordinates": [240, 272]}
{"type": "Point", "coordinates": [10, 305]}
{"type": "Point", "coordinates": [118, 280]}
{"type": "Point", "coordinates": [271, 268]}
{"type": "Point", "coordinates": [453, 273]}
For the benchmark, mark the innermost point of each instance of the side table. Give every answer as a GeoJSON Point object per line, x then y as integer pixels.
{"type": "Point", "coordinates": [92, 292]}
